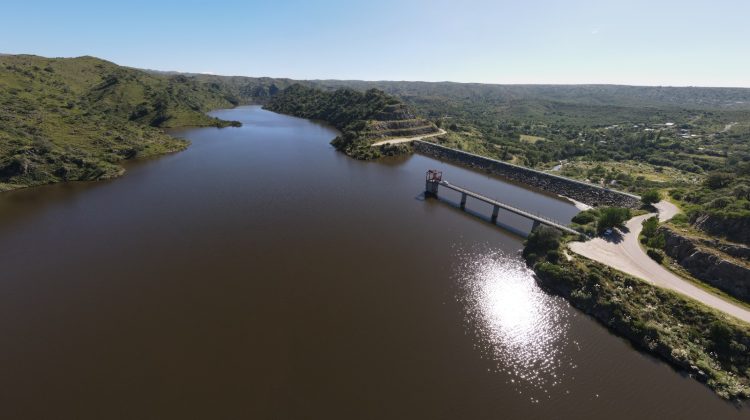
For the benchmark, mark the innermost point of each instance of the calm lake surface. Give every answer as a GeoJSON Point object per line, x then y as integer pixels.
{"type": "Point", "coordinates": [261, 274]}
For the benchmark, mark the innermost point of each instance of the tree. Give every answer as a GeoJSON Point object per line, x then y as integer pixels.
{"type": "Point", "coordinates": [651, 197]}
{"type": "Point", "coordinates": [540, 242]}
{"type": "Point", "coordinates": [718, 180]}
{"type": "Point", "coordinates": [655, 255]}
{"type": "Point", "coordinates": [611, 217]}
{"type": "Point", "coordinates": [649, 226]}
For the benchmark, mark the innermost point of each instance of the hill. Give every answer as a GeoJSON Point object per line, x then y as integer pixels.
{"type": "Point", "coordinates": [363, 118]}
{"type": "Point", "coordinates": [76, 118]}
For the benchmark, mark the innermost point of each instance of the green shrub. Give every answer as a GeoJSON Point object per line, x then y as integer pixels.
{"type": "Point", "coordinates": [655, 255]}
{"type": "Point", "coordinates": [585, 217]}
{"type": "Point", "coordinates": [718, 180]}
{"type": "Point", "coordinates": [680, 219]}
{"type": "Point", "coordinates": [651, 197]}
{"type": "Point", "coordinates": [649, 226]}
{"type": "Point", "coordinates": [542, 240]}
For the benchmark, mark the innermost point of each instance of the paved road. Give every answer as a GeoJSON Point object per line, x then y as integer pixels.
{"type": "Point", "coordinates": [397, 140]}
{"type": "Point", "coordinates": [627, 255]}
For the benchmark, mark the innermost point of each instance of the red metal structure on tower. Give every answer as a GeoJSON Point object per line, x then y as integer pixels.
{"type": "Point", "coordinates": [432, 181]}
{"type": "Point", "coordinates": [434, 176]}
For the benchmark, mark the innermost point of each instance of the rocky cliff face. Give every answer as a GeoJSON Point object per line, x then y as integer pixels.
{"type": "Point", "coordinates": [736, 250]}
{"type": "Point", "coordinates": [734, 229]}
{"type": "Point", "coordinates": [719, 271]}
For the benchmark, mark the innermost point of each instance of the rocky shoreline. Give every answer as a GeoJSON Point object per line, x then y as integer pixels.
{"type": "Point", "coordinates": [691, 337]}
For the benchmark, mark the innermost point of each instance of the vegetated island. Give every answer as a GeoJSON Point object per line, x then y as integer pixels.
{"type": "Point", "coordinates": [73, 119]}
{"type": "Point", "coordinates": [362, 118]}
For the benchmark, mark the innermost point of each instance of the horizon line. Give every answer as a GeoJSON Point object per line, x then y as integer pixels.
{"type": "Point", "coordinates": [394, 80]}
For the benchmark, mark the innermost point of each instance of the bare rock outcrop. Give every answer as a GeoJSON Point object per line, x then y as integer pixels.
{"type": "Point", "coordinates": [708, 265]}
{"type": "Point", "coordinates": [736, 229]}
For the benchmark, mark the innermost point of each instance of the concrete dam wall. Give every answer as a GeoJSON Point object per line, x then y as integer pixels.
{"type": "Point", "coordinates": [586, 193]}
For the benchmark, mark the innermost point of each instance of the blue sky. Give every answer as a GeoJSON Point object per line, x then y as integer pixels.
{"type": "Point", "coordinates": [698, 43]}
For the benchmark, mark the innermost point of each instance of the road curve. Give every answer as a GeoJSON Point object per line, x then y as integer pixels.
{"type": "Point", "coordinates": [627, 256]}
{"type": "Point", "coordinates": [397, 140]}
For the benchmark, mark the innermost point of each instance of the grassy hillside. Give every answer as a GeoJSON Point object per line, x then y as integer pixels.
{"type": "Point", "coordinates": [362, 118]}
{"type": "Point", "coordinates": [75, 119]}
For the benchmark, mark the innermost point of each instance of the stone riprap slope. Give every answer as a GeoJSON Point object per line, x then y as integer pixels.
{"type": "Point", "coordinates": [394, 121]}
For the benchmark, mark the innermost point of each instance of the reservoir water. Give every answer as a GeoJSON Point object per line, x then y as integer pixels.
{"type": "Point", "coordinates": [261, 274]}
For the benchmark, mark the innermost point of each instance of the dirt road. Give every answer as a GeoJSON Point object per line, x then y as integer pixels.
{"type": "Point", "coordinates": [397, 140]}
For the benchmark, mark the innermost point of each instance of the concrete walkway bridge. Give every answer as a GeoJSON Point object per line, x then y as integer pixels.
{"type": "Point", "coordinates": [434, 180]}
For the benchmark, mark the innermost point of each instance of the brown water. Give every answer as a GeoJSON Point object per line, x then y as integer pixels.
{"type": "Point", "coordinates": [261, 274]}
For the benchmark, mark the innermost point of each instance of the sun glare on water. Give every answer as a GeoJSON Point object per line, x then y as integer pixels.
{"type": "Point", "coordinates": [517, 325]}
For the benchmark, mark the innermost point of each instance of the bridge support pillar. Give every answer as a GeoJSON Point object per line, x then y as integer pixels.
{"type": "Point", "coordinates": [535, 225]}
{"type": "Point", "coordinates": [463, 201]}
{"type": "Point", "coordinates": [495, 211]}
{"type": "Point", "coordinates": [431, 188]}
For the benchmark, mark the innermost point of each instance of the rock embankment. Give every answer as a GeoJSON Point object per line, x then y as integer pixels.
{"type": "Point", "coordinates": [398, 128]}
{"type": "Point", "coordinates": [710, 266]}
{"type": "Point", "coordinates": [735, 229]}
{"type": "Point", "coordinates": [735, 250]}
{"type": "Point", "coordinates": [590, 194]}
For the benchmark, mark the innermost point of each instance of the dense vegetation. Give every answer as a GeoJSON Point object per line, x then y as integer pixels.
{"type": "Point", "coordinates": [340, 108]}
{"type": "Point", "coordinates": [673, 127]}
{"type": "Point", "coordinates": [720, 206]}
{"type": "Point", "coordinates": [710, 346]}
{"type": "Point", "coordinates": [596, 221]}
{"type": "Point", "coordinates": [75, 119]}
